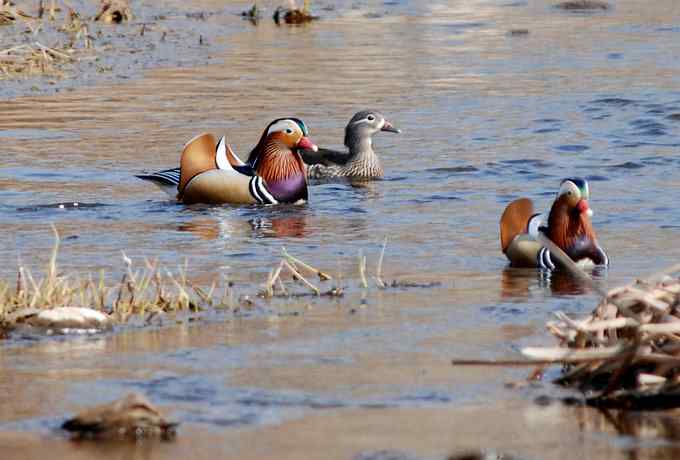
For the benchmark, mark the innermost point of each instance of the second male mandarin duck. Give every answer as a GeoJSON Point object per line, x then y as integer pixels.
{"type": "Point", "coordinates": [359, 161]}
{"type": "Point", "coordinates": [568, 226]}
{"type": "Point", "coordinates": [210, 172]}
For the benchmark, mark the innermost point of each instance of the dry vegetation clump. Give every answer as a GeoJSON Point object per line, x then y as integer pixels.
{"type": "Point", "coordinates": [35, 59]}
{"type": "Point", "coordinates": [294, 14]}
{"type": "Point", "coordinates": [32, 57]}
{"type": "Point", "coordinates": [114, 11]}
{"type": "Point", "coordinates": [626, 353]}
{"type": "Point", "coordinates": [294, 267]}
{"type": "Point", "coordinates": [65, 304]}
{"type": "Point", "coordinates": [142, 293]}
{"type": "Point", "coordinates": [623, 355]}
{"type": "Point", "coordinates": [53, 40]}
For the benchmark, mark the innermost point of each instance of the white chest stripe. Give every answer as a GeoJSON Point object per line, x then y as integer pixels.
{"type": "Point", "coordinates": [259, 191]}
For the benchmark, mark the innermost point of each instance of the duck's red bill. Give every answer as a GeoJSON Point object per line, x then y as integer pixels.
{"type": "Point", "coordinates": [582, 206]}
{"type": "Point", "coordinates": [306, 144]}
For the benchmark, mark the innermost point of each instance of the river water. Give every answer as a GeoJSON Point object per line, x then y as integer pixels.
{"type": "Point", "coordinates": [487, 116]}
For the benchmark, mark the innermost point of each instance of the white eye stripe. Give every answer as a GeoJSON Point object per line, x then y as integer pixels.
{"type": "Point", "coordinates": [569, 188]}
{"type": "Point", "coordinates": [284, 125]}
{"type": "Point", "coordinates": [365, 120]}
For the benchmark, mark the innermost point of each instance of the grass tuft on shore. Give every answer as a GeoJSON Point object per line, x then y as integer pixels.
{"type": "Point", "coordinates": [145, 291]}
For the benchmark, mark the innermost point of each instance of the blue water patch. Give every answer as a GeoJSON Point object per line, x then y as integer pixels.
{"type": "Point", "coordinates": [37, 134]}
{"type": "Point", "coordinates": [596, 178]}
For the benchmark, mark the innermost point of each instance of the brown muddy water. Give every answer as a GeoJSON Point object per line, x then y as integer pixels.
{"type": "Point", "coordinates": [487, 116]}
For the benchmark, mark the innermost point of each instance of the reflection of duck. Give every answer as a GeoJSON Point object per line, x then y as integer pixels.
{"type": "Point", "coordinates": [360, 161]}
{"type": "Point", "coordinates": [519, 282]}
{"type": "Point", "coordinates": [281, 227]}
{"type": "Point", "coordinates": [211, 173]}
{"type": "Point", "coordinates": [290, 226]}
{"type": "Point", "coordinates": [568, 226]}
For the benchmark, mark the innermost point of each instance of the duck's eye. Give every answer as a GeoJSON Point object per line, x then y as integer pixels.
{"type": "Point", "coordinates": [569, 193]}
{"type": "Point", "coordinates": [289, 131]}
{"type": "Point", "coordinates": [370, 118]}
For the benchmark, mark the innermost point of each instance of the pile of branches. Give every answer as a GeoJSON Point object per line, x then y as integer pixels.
{"type": "Point", "coordinates": [623, 355]}
{"type": "Point", "coordinates": [626, 353]}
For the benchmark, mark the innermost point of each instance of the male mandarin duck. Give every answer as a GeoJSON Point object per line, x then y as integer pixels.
{"type": "Point", "coordinates": [211, 173]}
{"type": "Point", "coordinates": [360, 161]}
{"type": "Point", "coordinates": [568, 226]}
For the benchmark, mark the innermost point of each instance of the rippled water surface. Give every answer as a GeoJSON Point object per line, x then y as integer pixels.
{"type": "Point", "coordinates": [487, 116]}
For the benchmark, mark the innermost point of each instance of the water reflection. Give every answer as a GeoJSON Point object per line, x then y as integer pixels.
{"type": "Point", "coordinates": [645, 435]}
{"type": "Point", "coordinates": [520, 282]}
{"type": "Point", "coordinates": [223, 228]}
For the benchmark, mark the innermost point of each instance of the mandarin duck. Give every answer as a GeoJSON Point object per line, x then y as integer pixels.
{"type": "Point", "coordinates": [360, 161]}
{"type": "Point", "coordinates": [568, 226]}
{"type": "Point", "coordinates": [210, 172]}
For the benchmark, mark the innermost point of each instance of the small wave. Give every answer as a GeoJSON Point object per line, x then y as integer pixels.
{"type": "Point", "coordinates": [453, 169]}
{"type": "Point", "coordinates": [71, 205]}
{"type": "Point", "coordinates": [596, 178]}
{"type": "Point", "coordinates": [572, 148]}
{"type": "Point", "coordinates": [614, 101]}
{"type": "Point", "coordinates": [535, 163]}
{"type": "Point", "coordinates": [627, 165]}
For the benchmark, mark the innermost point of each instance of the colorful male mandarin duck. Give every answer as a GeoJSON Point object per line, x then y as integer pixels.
{"type": "Point", "coordinates": [568, 226]}
{"type": "Point", "coordinates": [360, 161]}
{"type": "Point", "coordinates": [211, 173]}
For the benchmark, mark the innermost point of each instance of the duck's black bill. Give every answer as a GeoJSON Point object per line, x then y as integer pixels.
{"type": "Point", "coordinates": [389, 128]}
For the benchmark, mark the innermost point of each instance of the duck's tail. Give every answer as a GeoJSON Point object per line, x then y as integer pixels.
{"type": "Point", "coordinates": [167, 180]}
{"type": "Point", "coordinates": [514, 220]}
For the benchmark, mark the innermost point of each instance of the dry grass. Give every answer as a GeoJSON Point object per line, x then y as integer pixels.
{"type": "Point", "coordinates": [146, 291]}
{"type": "Point", "coordinates": [276, 286]}
{"type": "Point", "coordinates": [71, 41]}
{"type": "Point", "coordinates": [151, 291]}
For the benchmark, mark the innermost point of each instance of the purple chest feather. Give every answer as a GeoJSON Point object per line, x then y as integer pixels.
{"type": "Point", "coordinates": [290, 189]}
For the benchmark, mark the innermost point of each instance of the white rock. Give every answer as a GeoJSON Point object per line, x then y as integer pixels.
{"type": "Point", "coordinates": [71, 318]}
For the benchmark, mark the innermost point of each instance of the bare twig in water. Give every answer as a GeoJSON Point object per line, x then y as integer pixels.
{"type": "Point", "coordinates": [362, 270]}
{"type": "Point", "coordinates": [298, 276]}
{"type": "Point", "coordinates": [322, 275]}
{"type": "Point", "coordinates": [378, 274]}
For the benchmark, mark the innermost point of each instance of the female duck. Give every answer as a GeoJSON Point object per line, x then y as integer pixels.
{"type": "Point", "coordinates": [210, 172]}
{"type": "Point", "coordinates": [568, 226]}
{"type": "Point", "coordinates": [360, 161]}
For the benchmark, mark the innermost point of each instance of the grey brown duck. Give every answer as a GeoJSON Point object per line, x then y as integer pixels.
{"type": "Point", "coordinates": [360, 160]}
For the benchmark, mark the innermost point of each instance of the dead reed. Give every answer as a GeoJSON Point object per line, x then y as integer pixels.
{"type": "Point", "coordinates": [65, 30]}
{"type": "Point", "coordinates": [142, 292]}
{"type": "Point", "coordinates": [294, 268]}
{"type": "Point", "coordinates": [625, 354]}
